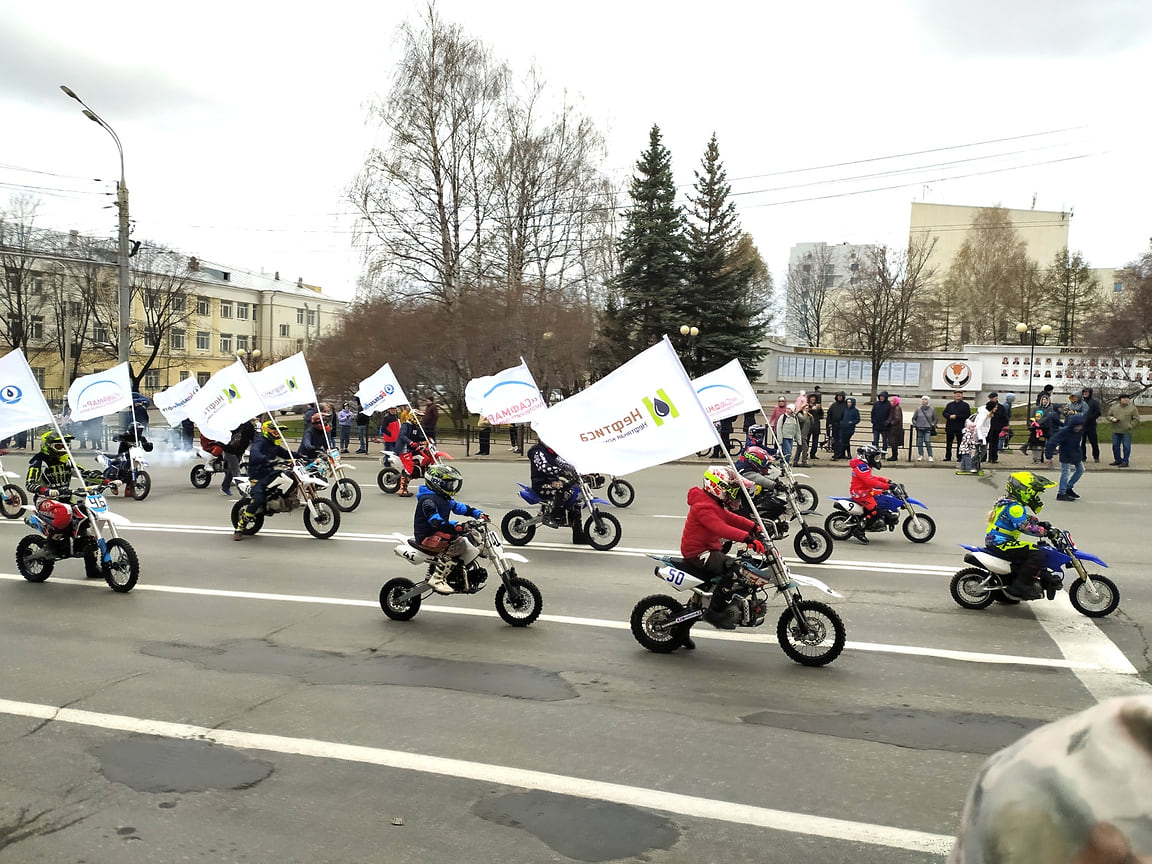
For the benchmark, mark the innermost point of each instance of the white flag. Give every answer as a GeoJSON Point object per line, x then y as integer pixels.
{"type": "Point", "coordinates": [100, 393]}
{"type": "Point", "coordinates": [228, 399]}
{"type": "Point", "coordinates": [173, 402]}
{"type": "Point", "coordinates": [285, 384]}
{"type": "Point", "coordinates": [22, 404]}
{"type": "Point", "coordinates": [510, 396]}
{"type": "Point", "coordinates": [726, 392]}
{"type": "Point", "coordinates": [643, 414]}
{"type": "Point", "coordinates": [381, 390]}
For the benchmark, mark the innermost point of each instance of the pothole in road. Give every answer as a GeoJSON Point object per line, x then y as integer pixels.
{"type": "Point", "coordinates": [149, 764]}
{"type": "Point", "coordinates": [580, 828]}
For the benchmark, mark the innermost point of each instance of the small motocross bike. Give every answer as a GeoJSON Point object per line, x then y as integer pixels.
{"type": "Point", "coordinates": [291, 489]}
{"type": "Point", "coordinates": [600, 530]}
{"type": "Point", "coordinates": [848, 515]}
{"type": "Point", "coordinates": [345, 492]}
{"type": "Point", "coordinates": [518, 600]}
{"type": "Point", "coordinates": [989, 578]}
{"type": "Point", "coordinates": [201, 474]}
{"type": "Point", "coordinates": [127, 469]}
{"type": "Point", "coordinates": [12, 498]}
{"type": "Point", "coordinates": [420, 456]}
{"type": "Point", "coordinates": [812, 543]}
{"type": "Point", "coordinates": [620, 492]}
{"type": "Point", "coordinates": [810, 632]}
{"type": "Point", "coordinates": [91, 534]}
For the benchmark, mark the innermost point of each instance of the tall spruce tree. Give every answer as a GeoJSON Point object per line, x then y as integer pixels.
{"type": "Point", "coordinates": [718, 297]}
{"type": "Point", "coordinates": [652, 250]}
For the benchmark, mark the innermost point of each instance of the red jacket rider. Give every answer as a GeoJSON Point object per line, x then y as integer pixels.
{"type": "Point", "coordinates": [865, 484]}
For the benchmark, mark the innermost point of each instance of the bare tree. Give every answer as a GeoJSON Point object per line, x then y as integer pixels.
{"type": "Point", "coordinates": [1070, 291]}
{"type": "Point", "coordinates": [1126, 323]}
{"type": "Point", "coordinates": [27, 297]}
{"type": "Point", "coordinates": [810, 284]}
{"type": "Point", "coordinates": [879, 316]}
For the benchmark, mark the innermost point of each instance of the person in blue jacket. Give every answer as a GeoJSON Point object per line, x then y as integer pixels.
{"type": "Point", "coordinates": [432, 523]}
{"type": "Point", "coordinates": [267, 449]}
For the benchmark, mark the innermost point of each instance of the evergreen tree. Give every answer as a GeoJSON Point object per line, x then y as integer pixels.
{"type": "Point", "coordinates": [722, 266]}
{"type": "Point", "coordinates": [651, 249]}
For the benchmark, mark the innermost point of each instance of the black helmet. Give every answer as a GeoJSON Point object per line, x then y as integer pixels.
{"type": "Point", "coordinates": [445, 479]}
{"type": "Point", "coordinates": [871, 454]}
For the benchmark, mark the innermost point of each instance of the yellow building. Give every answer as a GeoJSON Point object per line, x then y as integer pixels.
{"type": "Point", "coordinates": [1044, 231]}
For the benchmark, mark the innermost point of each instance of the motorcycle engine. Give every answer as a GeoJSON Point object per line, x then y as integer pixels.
{"type": "Point", "coordinates": [467, 581]}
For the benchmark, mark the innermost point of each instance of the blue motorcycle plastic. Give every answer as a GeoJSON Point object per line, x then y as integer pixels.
{"type": "Point", "coordinates": [600, 530]}
{"type": "Point", "coordinates": [848, 515]}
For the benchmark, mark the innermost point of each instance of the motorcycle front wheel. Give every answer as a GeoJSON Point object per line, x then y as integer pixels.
{"type": "Point", "coordinates": [924, 533]}
{"type": "Point", "coordinates": [254, 525]}
{"type": "Point", "coordinates": [813, 545]}
{"type": "Point", "coordinates": [33, 569]}
{"type": "Point", "coordinates": [621, 493]}
{"type": "Point", "coordinates": [825, 637]}
{"type": "Point", "coordinates": [120, 566]}
{"type": "Point", "coordinates": [840, 525]}
{"type": "Point", "coordinates": [515, 529]}
{"type": "Point", "coordinates": [346, 495]}
{"type": "Point", "coordinates": [650, 623]}
{"type": "Point", "coordinates": [968, 589]}
{"type": "Point", "coordinates": [1104, 603]}
{"type": "Point", "coordinates": [388, 480]}
{"type": "Point", "coordinates": [325, 522]}
{"type": "Point", "coordinates": [141, 486]}
{"type": "Point", "coordinates": [392, 607]}
{"type": "Point", "coordinates": [12, 501]}
{"type": "Point", "coordinates": [523, 608]}
{"type": "Point", "coordinates": [602, 531]}
{"type": "Point", "coordinates": [807, 498]}
{"type": "Point", "coordinates": [200, 477]}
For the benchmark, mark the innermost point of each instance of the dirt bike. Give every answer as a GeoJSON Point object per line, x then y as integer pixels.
{"type": "Point", "coordinates": [518, 600]}
{"type": "Point", "coordinates": [777, 508]}
{"type": "Point", "coordinates": [345, 492]}
{"type": "Point", "coordinates": [989, 578]}
{"type": "Point", "coordinates": [421, 456]}
{"type": "Point", "coordinates": [805, 496]}
{"type": "Point", "coordinates": [809, 632]}
{"type": "Point", "coordinates": [201, 475]}
{"type": "Point", "coordinates": [291, 489]}
{"type": "Point", "coordinates": [12, 497]}
{"type": "Point", "coordinates": [91, 535]}
{"type": "Point", "coordinates": [127, 469]}
{"type": "Point", "coordinates": [600, 530]}
{"type": "Point", "coordinates": [620, 492]}
{"type": "Point", "coordinates": [848, 515]}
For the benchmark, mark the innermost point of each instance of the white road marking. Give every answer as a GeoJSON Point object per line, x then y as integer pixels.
{"type": "Point", "coordinates": [560, 784]}
{"type": "Point", "coordinates": [1103, 664]}
{"type": "Point", "coordinates": [1077, 636]}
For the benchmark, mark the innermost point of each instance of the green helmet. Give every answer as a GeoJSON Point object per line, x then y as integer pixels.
{"type": "Point", "coordinates": [1026, 488]}
{"type": "Point", "coordinates": [54, 446]}
{"type": "Point", "coordinates": [445, 479]}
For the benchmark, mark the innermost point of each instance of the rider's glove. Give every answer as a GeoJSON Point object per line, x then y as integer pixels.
{"type": "Point", "coordinates": [460, 528]}
{"type": "Point", "coordinates": [52, 493]}
{"type": "Point", "coordinates": [480, 514]}
{"type": "Point", "coordinates": [756, 546]}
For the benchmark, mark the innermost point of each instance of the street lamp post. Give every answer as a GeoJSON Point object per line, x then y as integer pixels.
{"type": "Point", "coordinates": [1023, 328]}
{"type": "Point", "coordinates": [249, 358]}
{"type": "Point", "coordinates": [122, 209]}
{"type": "Point", "coordinates": [691, 332]}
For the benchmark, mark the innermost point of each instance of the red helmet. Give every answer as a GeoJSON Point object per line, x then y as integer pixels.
{"type": "Point", "coordinates": [757, 456]}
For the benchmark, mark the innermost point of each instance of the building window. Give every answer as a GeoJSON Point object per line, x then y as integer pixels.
{"type": "Point", "coordinates": [38, 374]}
{"type": "Point", "coordinates": [152, 299]}
{"type": "Point", "coordinates": [284, 330]}
{"type": "Point", "coordinates": [184, 373]}
{"type": "Point", "coordinates": [176, 339]}
{"type": "Point", "coordinates": [299, 316]}
{"type": "Point", "coordinates": [225, 343]}
{"type": "Point", "coordinates": [299, 344]}
{"type": "Point", "coordinates": [150, 337]}
{"type": "Point", "coordinates": [151, 381]}
{"type": "Point", "coordinates": [225, 308]}
{"type": "Point", "coordinates": [241, 341]}
{"type": "Point", "coordinates": [311, 317]}
{"type": "Point", "coordinates": [99, 332]}
{"type": "Point", "coordinates": [242, 311]}
{"type": "Point", "coordinates": [202, 378]}
{"type": "Point", "coordinates": [36, 327]}
{"type": "Point", "coordinates": [255, 312]}
{"type": "Point", "coordinates": [177, 302]}
{"type": "Point", "coordinates": [74, 308]}
{"type": "Point", "coordinates": [203, 306]}
{"type": "Point", "coordinates": [1117, 287]}
{"type": "Point", "coordinates": [203, 340]}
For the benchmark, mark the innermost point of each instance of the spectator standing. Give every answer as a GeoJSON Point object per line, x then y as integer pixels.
{"type": "Point", "coordinates": [924, 422]}
{"type": "Point", "coordinates": [1047, 391]}
{"type": "Point", "coordinates": [513, 438]}
{"type": "Point", "coordinates": [1093, 406]}
{"type": "Point", "coordinates": [808, 428]}
{"type": "Point", "coordinates": [787, 432]}
{"type": "Point", "coordinates": [1123, 417]}
{"type": "Point", "coordinates": [896, 428]}
{"type": "Point", "coordinates": [848, 424]}
{"type": "Point", "coordinates": [345, 418]}
{"type": "Point", "coordinates": [778, 411]}
{"type": "Point", "coordinates": [1071, 451]}
{"type": "Point", "coordinates": [362, 422]}
{"type": "Point", "coordinates": [997, 422]}
{"type": "Point", "coordinates": [834, 418]}
{"type": "Point", "coordinates": [881, 415]}
{"type": "Point", "coordinates": [431, 417]}
{"type": "Point", "coordinates": [750, 419]}
{"type": "Point", "coordinates": [389, 430]}
{"type": "Point", "coordinates": [816, 409]}
{"type": "Point", "coordinates": [968, 449]}
{"type": "Point", "coordinates": [140, 414]}
{"type": "Point", "coordinates": [954, 414]}
{"type": "Point", "coordinates": [483, 437]}
{"type": "Point", "coordinates": [187, 433]}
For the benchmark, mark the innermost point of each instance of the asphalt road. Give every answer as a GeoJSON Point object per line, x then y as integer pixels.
{"type": "Point", "coordinates": [250, 702]}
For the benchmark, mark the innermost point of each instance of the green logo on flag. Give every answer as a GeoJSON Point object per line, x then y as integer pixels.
{"type": "Point", "coordinates": [231, 393]}
{"type": "Point", "coordinates": [660, 407]}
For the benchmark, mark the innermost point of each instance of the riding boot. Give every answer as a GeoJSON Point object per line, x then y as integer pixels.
{"type": "Point", "coordinates": [242, 523]}
{"type": "Point", "coordinates": [403, 491]}
{"type": "Point", "coordinates": [578, 535]}
{"type": "Point", "coordinates": [92, 567]}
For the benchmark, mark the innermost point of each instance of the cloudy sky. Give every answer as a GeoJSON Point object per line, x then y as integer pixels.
{"type": "Point", "coordinates": [244, 123]}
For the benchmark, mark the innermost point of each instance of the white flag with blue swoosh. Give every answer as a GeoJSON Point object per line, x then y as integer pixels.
{"type": "Point", "coordinates": [100, 393]}
{"type": "Point", "coordinates": [509, 396]}
{"type": "Point", "coordinates": [22, 404]}
{"type": "Point", "coordinates": [726, 392]}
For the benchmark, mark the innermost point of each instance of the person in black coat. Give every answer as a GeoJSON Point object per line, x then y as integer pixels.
{"type": "Point", "coordinates": [881, 420]}
{"type": "Point", "coordinates": [999, 421]}
{"type": "Point", "coordinates": [834, 418]}
{"type": "Point", "coordinates": [1093, 405]}
{"type": "Point", "coordinates": [954, 414]}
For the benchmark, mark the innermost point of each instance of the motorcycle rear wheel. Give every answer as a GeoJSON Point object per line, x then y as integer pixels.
{"type": "Point", "coordinates": [621, 493]}
{"type": "Point", "coordinates": [346, 495]}
{"type": "Point", "coordinates": [924, 533]}
{"type": "Point", "coordinates": [650, 626]}
{"type": "Point", "coordinates": [12, 501]}
{"type": "Point", "coordinates": [514, 527]}
{"type": "Point", "coordinates": [807, 499]}
{"type": "Point", "coordinates": [200, 477]}
{"type": "Point", "coordinates": [34, 570]}
{"type": "Point", "coordinates": [122, 567]}
{"type": "Point", "coordinates": [840, 525]}
{"type": "Point", "coordinates": [522, 612]}
{"type": "Point", "coordinates": [141, 486]}
{"type": "Point", "coordinates": [325, 523]}
{"type": "Point", "coordinates": [395, 610]}
{"type": "Point", "coordinates": [813, 545]}
{"type": "Point", "coordinates": [388, 480]}
{"type": "Point", "coordinates": [824, 641]}
{"type": "Point", "coordinates": [1106, 600]}
{"type": "Point", "coordinates": [602, 531]}
{"type": "Point", "coordinates": [966, 591]}
{"type": "Point", "coordinates": [253, 526]}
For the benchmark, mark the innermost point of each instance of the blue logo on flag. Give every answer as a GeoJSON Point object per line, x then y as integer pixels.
{"type": "Point", "coordinates": [11, 394]}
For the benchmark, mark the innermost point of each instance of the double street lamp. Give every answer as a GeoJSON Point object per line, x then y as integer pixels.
{"type": "Point", "coordinates": [250, 359]}
{"type": "Point", "coordinates": [122, 207]}
{"type": "Point", "coordinates": [690, 332]}
{"type": "Point", "coordinates": [1044, 330]}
